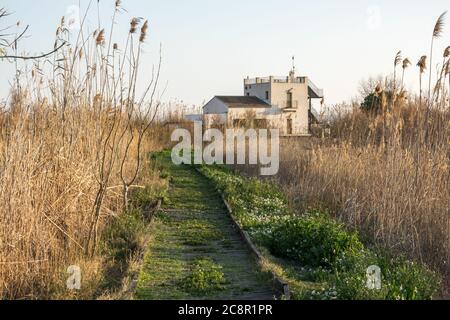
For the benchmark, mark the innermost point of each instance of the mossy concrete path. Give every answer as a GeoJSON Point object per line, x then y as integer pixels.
{"type": "Point", "coordinates": [193, 225]}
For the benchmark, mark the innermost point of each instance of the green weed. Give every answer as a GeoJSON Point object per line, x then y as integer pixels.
{"type": "Point", "coordinates": [330, 255]}
{"type": "Point", "coordinates": [205, 277]}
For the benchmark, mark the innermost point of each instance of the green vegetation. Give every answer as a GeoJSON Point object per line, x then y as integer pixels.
{"type": "Point", "coordinates": [255, 204]}
{"type": "Point", "coordinates": [401, 279]}
{"type": "Point", "coordinates": [371, 103]}
{"type": "Point", "coordinates": [122, 236]}
{"type": "Point", "coordinates": [205, 277]}
{"type": "Point", "coordinates": [319, 257]}
{"type": "Point", "coordinates": [123, 241]}
{"type": "Point", "coordinates": [195, 253]}
{"type": "Point", "coordinates": [314, 240]}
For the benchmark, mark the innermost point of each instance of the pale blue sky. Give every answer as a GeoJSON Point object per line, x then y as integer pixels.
{"type": "Point", "coordinates": [210, 46]}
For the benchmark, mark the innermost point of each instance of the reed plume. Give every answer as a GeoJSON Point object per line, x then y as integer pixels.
{"type": "Point", "coordinates": [100, 40]}
{"type": "Point", "coordinates": [447, 52]}
{"type": "Point", "coordinates": [422, 64]}
{"type": "Point", "coordinates": [439, 27]}
{"type": "Point", "coordinates": [437, 32]}
{"type": "Point", "coordinates": [134, 24]}
{"type": "Point", "coordinates": [440, 87]}
{"type": "Point", "coordinates": [144, 31]}
{"type": "Point", "coordinates": [405, 65]}
{"type": "Point", "coordinates": [397, 61]}
{"type": "Point", "coordinates": [378, 89]}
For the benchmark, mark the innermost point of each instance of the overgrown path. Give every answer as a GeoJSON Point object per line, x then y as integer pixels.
{"type": "Point", "coordinates": [193, 227]}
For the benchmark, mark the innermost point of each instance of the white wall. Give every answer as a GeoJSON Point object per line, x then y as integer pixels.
{"type": "Point", "coordinates": [278, 99]}
{"type": "Point", "coordinates": [277, 117]}
{"type": "Point", "coordinates": [215, 106]}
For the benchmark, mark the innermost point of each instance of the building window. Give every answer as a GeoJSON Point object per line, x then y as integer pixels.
{"type": "Point", "coordinates": [289, 127]}
{"type": "Point", "coordinates": [267, 95]}
{"type": "Point", "coordinates": [248, 94]}
{"type": "Point", "coordinates": [289, 100]}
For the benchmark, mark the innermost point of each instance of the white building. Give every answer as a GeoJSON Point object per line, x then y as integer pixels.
{"type": "Point", "coordinates": [284, 103]}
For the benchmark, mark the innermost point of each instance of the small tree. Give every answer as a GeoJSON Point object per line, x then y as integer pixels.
{"type": "Point", "coordinates": [140, 115]}
{"type": "Point", "coordinates": [372, 103]}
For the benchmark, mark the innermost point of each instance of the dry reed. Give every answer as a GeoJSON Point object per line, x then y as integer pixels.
{"type": "Point", "coordinates": [385, 175]}
{"type": "Point", "coordinates": [68, 137]}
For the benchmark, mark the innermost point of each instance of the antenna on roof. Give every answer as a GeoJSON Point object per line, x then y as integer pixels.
{"type": "Point", "coordinates": [292, 72]}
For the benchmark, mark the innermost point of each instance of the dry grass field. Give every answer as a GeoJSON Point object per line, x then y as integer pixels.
{"type": "Point", "coordinates": [74, 139]}
{"type": "Point", "coordinates": [397, 192]}
{"type": "Point", "coordinates": [385, 168]}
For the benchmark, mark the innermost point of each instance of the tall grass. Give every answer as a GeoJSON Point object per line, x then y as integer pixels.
{"type": "Point", "coordinates": [73, 138]}
{"type": "Point", "coordinates": [384, 169]}
{"type": "Point", "coordinates": [386, 173]}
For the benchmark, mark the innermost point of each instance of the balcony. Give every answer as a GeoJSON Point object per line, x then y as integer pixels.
{"type": "Point", "coordinates": [289, 106]}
